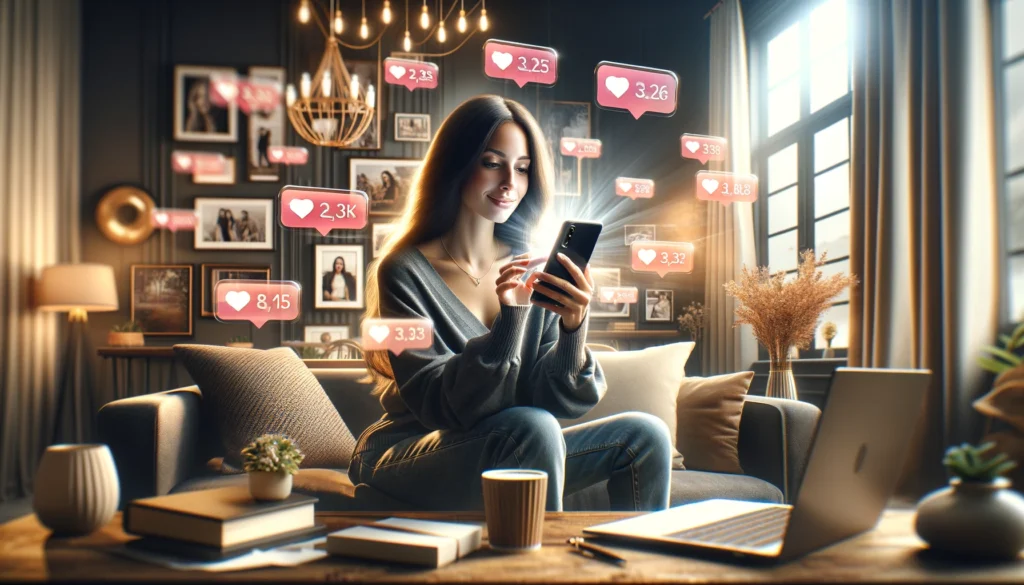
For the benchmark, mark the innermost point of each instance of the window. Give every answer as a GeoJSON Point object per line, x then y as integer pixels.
{"type": "Point", "coordinates": [802, 83]}
{"type": "Point", "coordinates": [1009, 53]}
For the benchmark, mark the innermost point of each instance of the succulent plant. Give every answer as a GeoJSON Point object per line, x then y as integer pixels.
{"type": "Point", "coordinates": [1001, 359]}
{"type": "Point", "coordinates": [127, 327]}
{"type": "Point", "coordinates": [969, 463]}
{"type": "Point", "coordinates": [272, 452]}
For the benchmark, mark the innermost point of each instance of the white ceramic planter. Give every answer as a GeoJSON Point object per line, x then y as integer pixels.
{"type": "Point", "coordinates": [982, 519]}
{"type": "Point", "coordinates": [76, 488]}
{"type": "Point", "coordinates": [270, 485]}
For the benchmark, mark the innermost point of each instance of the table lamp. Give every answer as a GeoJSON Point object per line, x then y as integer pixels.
{"type": "Point", "coordinates": [76, 289]}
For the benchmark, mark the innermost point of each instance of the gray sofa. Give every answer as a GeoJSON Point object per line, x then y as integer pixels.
{"type": "Point", "coordinates": [163, 443]}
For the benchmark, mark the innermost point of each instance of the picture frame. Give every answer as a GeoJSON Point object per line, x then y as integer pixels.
{"type": "Point", "coordinates": [196, 118]}
{"type": "Point", "coordinates": [640, 233]}
{"type": "Point", "coordinates": [379, 232]}
{"type": "Point", "coordinates": [412, 127]}
{"type": "Point", "coordinates": [658, 305]}
{"type": "Point", "coordinates": [352, 264]}
{"type": "Point", "coordinates": [258, 165]}
{"type": "Point", "coordinates": [316, 333]}
{"type": "Point", "coordinates": [211, 274]}
{"type": "Point", "coordinates": [249, 227]}
{"type": "Point", "coordinates": [369, 73]}
{"type": "Point", "coordinates": [607, 277]}
{"type": "Point", "coordinates": [368, 175]}
{"type": "Point", "coordinates": [561, 119]}
{"type": "Point", "coordinates": [225, 178]}
{"type": "Point", "coordinates": [161, 299]}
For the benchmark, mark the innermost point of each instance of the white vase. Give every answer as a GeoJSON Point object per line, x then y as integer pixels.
{"type": "Point", "coordinates": [971, 518]}
{"type": "Point", "coordinates": [76, 488]}
{"type": "Point", "coordinates": [270, 485]}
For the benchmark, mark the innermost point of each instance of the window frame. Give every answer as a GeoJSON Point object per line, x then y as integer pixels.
{"type": "Point", "coordinates": [1000, 67]}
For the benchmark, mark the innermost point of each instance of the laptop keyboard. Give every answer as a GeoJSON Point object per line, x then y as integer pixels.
{"type": "Point", "coordinates": [751, 530]}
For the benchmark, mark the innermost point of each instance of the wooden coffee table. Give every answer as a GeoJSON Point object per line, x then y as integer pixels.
{"type": "Point", "coordinates": [890, 553]}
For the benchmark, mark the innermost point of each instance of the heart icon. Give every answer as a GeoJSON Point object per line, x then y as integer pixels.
{"type": "Point", "coordinates": [646, 255]}
{"type": "Point", "coordinates": [502, 60]}
{"type": "Point", "coordinates": [184, 161]}
{"type": "Point", "coordinates": [692, 145]}
{"type": "Point", "coordinates": [228, 90]}
{"type": "Point", "coordinates": [301, 207]}
{"type": "Point", "coordinates": [570, 146]}
{"type": "Point", "coordinates": [616, 85]}
{"type": "Point", "coordinates": [710, 185]}
{"type": "Point", "coordinates": [238, 299]}
{"type": "Point", "coordinates": [161, 218]}
{"type": "Point", "coordinates": [607, 294]}
{"type": "Point", "coordinates": [397, 71]}
{"type": "Point", "coordinates": [277, 153]}
{"type": "Point", "coordinates": [379, 332]}
{"type": "Point", "coordinates": [625, 186]}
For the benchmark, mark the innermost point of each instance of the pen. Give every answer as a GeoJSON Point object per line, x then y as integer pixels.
{"type": "Point", "coordinates": [587, 549]}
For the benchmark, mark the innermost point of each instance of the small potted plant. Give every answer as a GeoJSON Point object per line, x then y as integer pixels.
{"type": "Point", "coordinates": [239, 341]}
{"type": "Point", "coordinates": [128, 334]}
{"type": "Point", "coordinates": [828, 331]}
{"type": "Point", "coordinates": [271, 461]}
{"type": "Point", "coordinates": [977, 514]}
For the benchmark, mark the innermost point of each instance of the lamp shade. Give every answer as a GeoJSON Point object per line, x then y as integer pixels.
{"type": "Point", "coordinates": [70, 287]}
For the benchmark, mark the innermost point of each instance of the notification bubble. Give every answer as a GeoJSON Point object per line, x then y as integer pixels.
{"type": "Point", "coordinates": [520, 63]}
{"type": "Point", "coordinates": [580, 147]}
{"type": "Point", "coordinates": [257, 301]}
{"type": "Point", "coordinates": [634, 188]}
{"type": "Point", "coordinates": [617, 294]}
{"type": "Point", "coordinates": [411, 74]}
{"type": "Point", "coordinates": [191, 162]}
{"type": "Point", "coordinates": [638, 90]}
{"type": "Point", "coordinates": [288, 155]}
{"type": "Point", "coordinates": [661, 257]}
{"type": "Point", "coordinates": [725, 188]}
{"type": "Point", "coordinates": [397, 335]}
{"type": "Point", "coordinates": [223, 89]}
{"type": "Point", "coordinates": [322, 209]}
{"type": "Point", "coordinates": [703, 148]}
{"type": "Point", "coordinates": [174, 219]}
{"type": "Point", "coordinates": [258, 96]}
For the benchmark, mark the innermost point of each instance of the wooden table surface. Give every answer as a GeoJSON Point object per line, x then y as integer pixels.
{"type": "Point", "coordinates": [890, 553]}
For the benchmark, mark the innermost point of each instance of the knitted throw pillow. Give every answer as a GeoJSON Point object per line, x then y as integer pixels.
{"type": "Point", "coordinates": [250, 392]}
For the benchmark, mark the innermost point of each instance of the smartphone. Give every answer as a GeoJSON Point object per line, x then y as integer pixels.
{"type": "Point", "coordinates": [576, 240]}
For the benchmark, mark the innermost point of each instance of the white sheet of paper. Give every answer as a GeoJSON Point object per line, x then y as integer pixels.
{"type": "Point", "coordinates": [285, 556]}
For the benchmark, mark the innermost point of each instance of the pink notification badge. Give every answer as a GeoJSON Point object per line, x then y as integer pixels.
{"type": "Point", "coordinates": [288, 155]}
{"type": "Point", "coordinates": [322, 209]}
{"type": "Point", "coordinates": [661, 257]}
{"type": "Point", "coordinates": [257, 95]}
{"type": "Point", "coordinates": [174, 219]}
{"type": "Point", "coordinates": [520, 63]}
{"type": "Point", "coordinates": [634, 188]}
{"type": "Point", "coordinates": [411, 74]}
{"type": "Point", "coordinates": [725, 188]}
{"type": "Point", "coordinates": [638, 90]}
{"type": "Point", "coordinates": [580, 147]}
{"type": "Point", "coordinates": [257, 301]}
{"type": "Point", "coordinates": [191, 163]}
{"type": "Point", "coordinates": [397, 335]}
{"type": "Point", "coordinates": [617, 294]}
{"type": "Point", "coordinates": [224, 89]}
{"type": "Point", "coordinates": [703, 148]}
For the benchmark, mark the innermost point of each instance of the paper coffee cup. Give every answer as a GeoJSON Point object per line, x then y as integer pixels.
{"type": "Point", "coordinates": [514, 504]}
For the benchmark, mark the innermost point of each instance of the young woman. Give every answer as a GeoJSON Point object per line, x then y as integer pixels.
{"type": "Point", "coordinates": [338, 284]}
{"type": "Point", "coordinates": [486, 394]}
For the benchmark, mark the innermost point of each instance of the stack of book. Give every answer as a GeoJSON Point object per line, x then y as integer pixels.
{"type": "Point", "coordinates": [219, 523]}
{"type": "Point", "coordinates": [621, 326]}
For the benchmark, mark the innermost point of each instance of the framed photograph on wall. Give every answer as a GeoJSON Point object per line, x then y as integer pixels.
{"type": "Point", "coordinates": [658, 303]}
{"type": "Point", "coordinates": [559, 120]}
{"type": "Point", "coordinates": [196, 118]}
{"type": "Point", "coordinates": [266, 129]}
{"type": "Point", "coordinates": [234, 224]}
{"type": "Point", "coordinates": [640, 233]}
{"type": "Point", "coordinates": [161, 298]}
{"type": "Point", "coordinates": [386, 181]}
{"type": "Point", "coordinates": [607, 277]}
{"type": "Point", "coordinates": [211, 274]}
{"type": "Point", "coordinates": [327, 334]}
{"type": "Point", "coordinates": [412, 127]}
{"type": "Point", "coordinates": [338, 277]}
{"type": "Point", "coordinates": [225, 178]}
{"type": "Point", "coordinates": [369, 74]}
{"type": "Point", "coordinates": [380, 231]}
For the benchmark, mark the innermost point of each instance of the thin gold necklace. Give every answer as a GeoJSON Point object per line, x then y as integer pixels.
{"type": "Point", "coordinates": [476, 280]}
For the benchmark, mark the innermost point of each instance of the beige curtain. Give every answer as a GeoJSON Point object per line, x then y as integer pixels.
{"type": "Point", "coordinates": [923, 209]}
{"type": "Point", "coordinates": [39, 217]}
{"type": "Point", "coordinates": [730, 241]}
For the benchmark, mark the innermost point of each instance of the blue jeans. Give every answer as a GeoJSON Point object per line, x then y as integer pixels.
{"type": "Point", "coordinates": [441, 469]}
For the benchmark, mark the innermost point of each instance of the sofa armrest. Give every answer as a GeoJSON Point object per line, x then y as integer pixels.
{"type": "Point", "coordinates": [153, 439]}
{"type": "Point", "coordinates": [775, 440]}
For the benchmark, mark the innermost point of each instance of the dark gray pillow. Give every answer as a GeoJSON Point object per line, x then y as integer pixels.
{"type": "Point", "coordinates": [249, 392]}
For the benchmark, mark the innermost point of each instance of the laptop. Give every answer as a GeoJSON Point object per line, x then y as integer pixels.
{"type": "Point", "coordinates": [856, 459]}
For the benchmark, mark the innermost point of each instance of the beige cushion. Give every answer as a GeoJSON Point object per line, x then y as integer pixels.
{"type": "Point", "coordinates": [249, 392]}
{"type": "Point", "coordinates": [708, 410]}
{"type": "Point", "coordinates": [643, 381]}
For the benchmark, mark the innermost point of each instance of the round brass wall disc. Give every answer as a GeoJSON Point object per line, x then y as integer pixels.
{"type": "Point", "coordinates": [119, 203]}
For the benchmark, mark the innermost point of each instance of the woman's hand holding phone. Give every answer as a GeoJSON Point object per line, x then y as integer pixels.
{"type": "Point", "coordinates": [511, 289]}
{"type": "Point", "coordinates": [574, 298]}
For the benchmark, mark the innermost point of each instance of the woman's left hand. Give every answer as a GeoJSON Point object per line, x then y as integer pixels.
{"type": "Point", "coordinates": [575, 299]}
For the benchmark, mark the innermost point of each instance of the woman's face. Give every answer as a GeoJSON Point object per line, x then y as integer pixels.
{"type": "Point", "coordinates": [500, 178]}
{"type": "Point", "coordinates": [339, 264]}
{"type": "Point", "coordinates": [385, 179]}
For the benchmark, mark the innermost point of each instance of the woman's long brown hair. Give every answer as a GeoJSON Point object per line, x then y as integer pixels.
{"type": "Point", "coordinates": [435, 196]}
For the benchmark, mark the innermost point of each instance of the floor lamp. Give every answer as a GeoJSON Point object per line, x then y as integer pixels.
{"type": "Point", "coordinates": [76, 289]}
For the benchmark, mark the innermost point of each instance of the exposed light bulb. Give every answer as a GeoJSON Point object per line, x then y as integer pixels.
{"type": "Point", "coordinates": [407, 43]}
{"type": "Point", "coordinates": [483, 19]}
{"type": "Point", "coordinates": [442, 35]}
{"type": "Point", "coordinates": [385, 14]}
{"type": "Point", "coordinates": [371, 96]}
{"type": "Point", "coordinates": [425, 16]}
{"type": "Point", "coordinates": [304, 12]}
{"type": "Point", "coordinates": [364, 29]}
{"type": "Point", "coordinates": [462, 21]}
{"type": "Point", "coordinates": [339, 24]}
{"type": "Point", "coordinates": [354, 86]}
{"type": "Point", "coordinates": [325, 84]}
{"type": "Point", "coordinates": [289, 94]}
{"type": "Point", "coordinates": [305, 85]}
